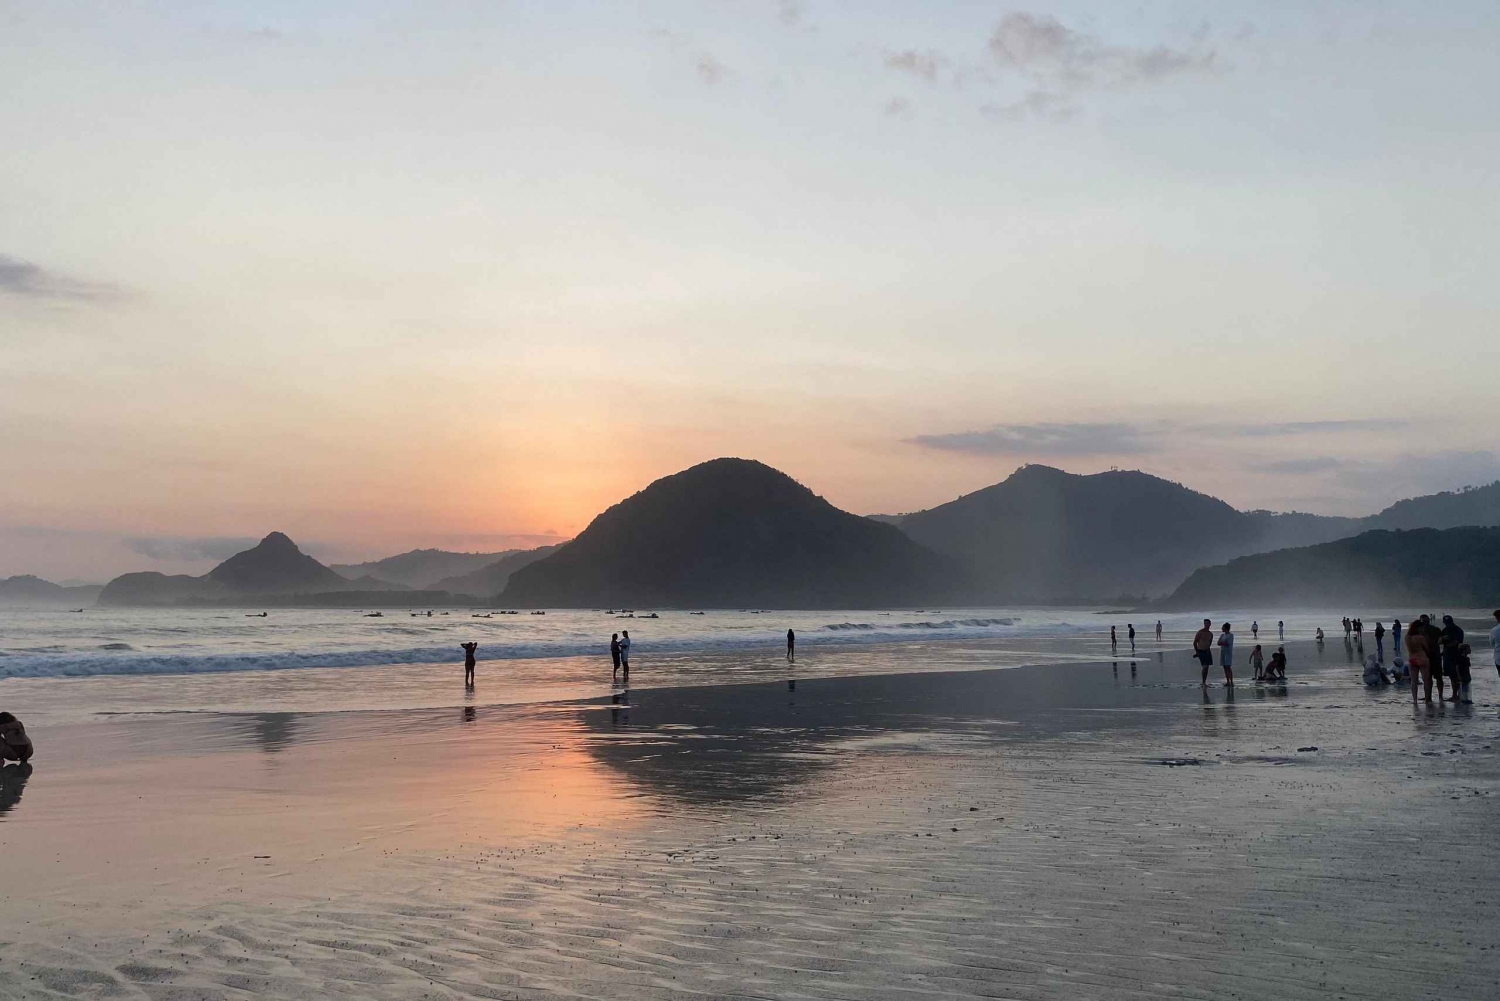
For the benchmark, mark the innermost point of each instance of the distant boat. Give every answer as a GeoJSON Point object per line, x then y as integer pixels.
{"type": "Point", "coordinates": [75, 609]}
{"type": "Point", "coordinates": [256, 615]}
{"type": "Point", "coordinates": [374, 615]}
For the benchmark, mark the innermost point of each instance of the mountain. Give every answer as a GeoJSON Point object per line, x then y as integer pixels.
{"type": "Point", "coordinates": [491, 579]}
{"type": "Point", "coordinates": [274, 567]}
{"type": "Point", "coordinates": [1045, 535]}
{"type": "Point", "coordinates": [422, 568]}
{"type": "Point", "coordinates": [731, 533]}
{"type": "Point", "coordinates": [1450, 509]}
{"type": "Point", "coordinates": [28, 590]}
{"type": "Point", "coordinates": [1416, 569]}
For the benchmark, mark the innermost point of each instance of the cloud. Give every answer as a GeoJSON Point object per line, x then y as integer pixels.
{"type": "Point", "coordinates": [1040, 440]}
{"type": "Point", "coordinates": [1062, 64]}
{"type": "Point", "coordinates": [899, 107]}
{"type": "Point", "coordinates": [27, 280]}
{"type": "Point", "coordinates": [188, 550]}
{"type": "Point", "coordinates": [1421, 473]}
{"type": "Point", "coordinates": [1124, 438]}
{"type": "Point", "coordinates": [789, 12]}
{"type": "Point", "coordinates": [1315, 464]}
{"type": "Point", "coordinates": [926, 65]}
{"type": "Point", "coordinates": [1038, 104]}
{"type": "Point", "coordinates": [710, 70]}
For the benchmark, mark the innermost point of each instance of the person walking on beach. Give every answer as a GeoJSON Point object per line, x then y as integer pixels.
{"type": "Point", "coordinates": [1114, 644]}
{"type": "Point", "coordinates": [1495, 640]}
{"type": "Point", "coordinates": [1280, 629]}
{"type": "Point", "coordinates": [1380, 641]}
{"type": "Point", "coordinates": [14, 744]}
{"type": "Point", "coordinates": [614, 653]}
{"type": "Point", "coordinates": [1257, 663]}
{"type": "Point", "coordinates": [625, 653]}
{"type": "Point", "coordinates": [1158, 630]}
{"type": "Point", "coordinates": [791, 647]}
{"type": "Point", "coordinates": [1226, 654]}
{"type": "Point", "coordinates": [1255, 630]}
{"type": "Point", "coordinates": [1203, 641]}
{"type": "Point", "coordinates": [468, 649]}
{"type": "Point", "coordinates": [1417, 661]}
{"type": "Point", "coordinates": [1130, 633]}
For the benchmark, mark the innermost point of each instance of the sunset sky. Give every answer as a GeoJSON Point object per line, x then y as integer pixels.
{"type": "Point", "coordinates": [461, 274]}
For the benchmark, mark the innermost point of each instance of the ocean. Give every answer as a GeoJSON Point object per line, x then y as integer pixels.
{"type": "Point", "coordinates": [163, 660]}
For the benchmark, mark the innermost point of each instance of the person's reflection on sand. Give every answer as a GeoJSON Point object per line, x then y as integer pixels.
{"type": "Point", "coordinates": [470, 715]}
{"type": "Point", "coordinates": [12, 782]}
{"type": "Point", "coordinates": [619, 701]}
{"type": "Point", "coordinates": [272, 731]}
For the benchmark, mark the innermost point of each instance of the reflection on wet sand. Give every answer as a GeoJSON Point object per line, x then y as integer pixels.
{"type": "Point", "coordinates": [12, 782]}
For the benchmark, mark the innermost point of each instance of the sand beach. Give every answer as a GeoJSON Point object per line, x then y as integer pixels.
{"type": "Point", "coordinates": [1082, 830]}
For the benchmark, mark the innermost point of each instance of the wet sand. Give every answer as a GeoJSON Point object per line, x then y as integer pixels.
{"type": "Point", "coordinates": [1072, 831]}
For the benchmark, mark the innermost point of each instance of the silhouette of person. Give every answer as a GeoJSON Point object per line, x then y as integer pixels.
{"type": "Point", "coordinates": [1280, 629]}
{"type": "Point", "coordinates": [1203, 641]}
{"type": "Point", "coordinates": [625, 654]}
{"type": "Point", "coordinates": [791, 647]}
{"type": "Point", "coordinates": [1255, 630]}
{"type": "Point", "coordinates": [1158, 630]}
{"type": "Point", "coordinates": [14, 744]}
{"type": "Point", "coordinates": [469, 649]}
{"type": "Point", "coordinates": [1114, 644]}
{"type": "Point", "coordinates": [614, 653]}
{"type": "Point", "coordinates": [1130, 632]}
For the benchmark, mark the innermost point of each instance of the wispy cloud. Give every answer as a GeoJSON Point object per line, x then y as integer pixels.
{"type": "Point", "coordinates": [1126, 438]}
{"type": "Point", "coordinates": [1062, 64]}
{"type": "Point", "coordinates": [710, 70]}
{"type": "Point", "coordinates": [1040, 440]}
{"type": "Point", "coordinates": [923, 64]}
{"type": "Point", "coordinates": [24, 279]}
{"type": "Point", "coordinates": [1314, 464]}
{"type": "Point", "coordinates": [188, 549]}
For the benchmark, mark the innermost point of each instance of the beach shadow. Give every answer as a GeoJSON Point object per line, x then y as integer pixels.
{"type": "Point", "coordinates": [12, 783]}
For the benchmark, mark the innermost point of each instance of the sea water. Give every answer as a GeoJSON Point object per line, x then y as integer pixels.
{"type": "Point", "coordinates": [134, 660]}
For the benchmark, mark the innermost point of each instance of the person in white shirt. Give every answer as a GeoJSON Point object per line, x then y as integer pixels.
{"type": "Point", "coordinates": [625, 652]}
{"type": "Point", "coordinates": [1226, 654]}
{"type": "Point", "coordinates": [1495, 640]}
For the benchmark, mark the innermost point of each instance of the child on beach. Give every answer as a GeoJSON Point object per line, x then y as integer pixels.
{"type": "Point", "coordinates": [14, 744]}
{"type": "Point", "coordinates": [1257, 664]}
{"type": "Point", "coordinates": [1374, 673]}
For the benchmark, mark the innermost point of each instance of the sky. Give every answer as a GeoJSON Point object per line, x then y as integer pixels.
{"type": "Point", "coordinates": [385, 275]}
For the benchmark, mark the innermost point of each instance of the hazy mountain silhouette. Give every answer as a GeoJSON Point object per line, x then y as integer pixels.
{"type": "Point", "coordinates": [1045, 535]}
{"type": "Point", "coordinates": [422, 568]}
{"type": "Point", "coordinates": [731, 533]}
{"type": "Point", "coordinates": [491, 579]}
{"type": "Point", "coordinates": [1449, 568]}
{"type": "Point", "coordinates": [28, 590]}
{"type": "Point", "coordinates": [1451, 509]}
{"type": "Point", "coordinates": [274, 567]}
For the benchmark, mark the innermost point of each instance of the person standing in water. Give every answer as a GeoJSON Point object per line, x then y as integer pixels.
{"type": "Point", "coordinates": [1158, 630]}
{"type": "Point", "coordinates": [1257, 664]}
{"type": "Point", "coordinates": [1114, 644]}
{"type": "Point", "coordinates": [1280, 629]}
{"type": "Point", "coordinates": [1395, 637]}
{"type": "Point", "coordinates": [468, 649]}
{"type": "Point", "coordinates": [1417, 659]}
{"type": "Point", "coordinates": [1255, 630]}
{"type": "Point", "coordinates": [1380, 641]}
{"type": "Point", "coordinates": [625, 653]}
{"type": "Point", "coordinates": [1203, 641]}
{"type": "Point", "coordinates": [791, 647]}
{"type": "Point", "coordinates": [1130, 633]}
{"type": "Point", "coordinates": [1226, 654]}
{"type": "Point", "coordinates": [614, 653]}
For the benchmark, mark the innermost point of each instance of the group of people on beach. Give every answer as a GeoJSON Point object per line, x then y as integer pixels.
{"type": "Point", "coordinates": [1204, 642]}
{"type": "Point", "coordinates": [1434, 654]}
